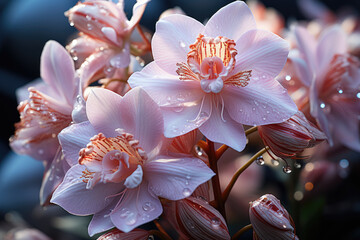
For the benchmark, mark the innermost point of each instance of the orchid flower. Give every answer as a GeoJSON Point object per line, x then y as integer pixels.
{"type": "Point", "coordinates": [119, 167]}
{"type": "Point", "coordinates": [107, 35]}
{"type": "Point", "coordinates": [216, 77]}
{"type": "Point", "coordinates": [332, 78]}
{"type": "Point", "coordinates": [48, 109]}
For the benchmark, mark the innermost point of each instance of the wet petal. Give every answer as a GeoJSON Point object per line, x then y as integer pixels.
{"type": "Point", "coordinates": [171, 40]}
{"type": "Point", "coordinates": [222, 22]}
{"type": "Point", "coordinates": [176, 178]}
{"type": "Point", "coordinates": [138, 206]}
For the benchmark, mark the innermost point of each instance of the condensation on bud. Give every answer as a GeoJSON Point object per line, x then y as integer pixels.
{"type": "Point", "coordinates": [270, 220]}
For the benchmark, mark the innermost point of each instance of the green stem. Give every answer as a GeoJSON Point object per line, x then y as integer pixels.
{"type": "Point", "coordinates": [232, 182]}
{"type": "Point", "coordinates": [241, 231]}
{"type": "Point", "coordinates": [250, 130]}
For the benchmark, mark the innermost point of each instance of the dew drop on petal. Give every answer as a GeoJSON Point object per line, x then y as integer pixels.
{"type": "Point", "coordinates": [215, 222]}
{"type": "Point", "coordinates": [89, 26]}
{"type": "Point", "coordinates": [186, 192]}
{"type": "Point", "coordinates": [148, 206]}
{"type": "Point", "coordinates": [260, 160]}
{"type": "Point", "coordinates": [287, 77]}
{"type": "Point", "coordinates": [287, 169]}
{"type": "Point", "coordinates": [182, 44]}
{"type": "Point", "coordinates": [358, 95]}
{"type": "Point", "coordinates": [131, 219]}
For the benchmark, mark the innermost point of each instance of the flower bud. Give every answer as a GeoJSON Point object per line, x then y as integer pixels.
{"type": "Point", "coordinates": [289, 138]}
{"type": "Point", "coordinates": [270, 220]}
{"type": "Point", "coordinates": [115, 234]}
{"type": "Point", "coordinates": [195, 218]}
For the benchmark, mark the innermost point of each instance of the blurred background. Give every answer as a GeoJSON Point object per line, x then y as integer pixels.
{"type": "Point", "coordinates": [26, 25]}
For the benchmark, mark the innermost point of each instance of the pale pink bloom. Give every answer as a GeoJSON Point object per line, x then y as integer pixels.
{"type": "Point", "coordinates": [195, 218]}
{"type": "Point", "coordinates": [136, 234]}
{"type": "Point", "coordinates": [119, 166]}
{"type": "Point", "coordinates": [107, 35]}
{"type": "Point", "coordinates": [332, 78]}
{"type": "Point", "coordinates": [48, 107]}
{"type": "Point", "coordinates": [216, 77]}
{"type": "Point", "coordinates": [292, 137]}
{"type": "Point", "coordinates": [266, 18]}
{"type": "Point", "coordinates": [270, 220]}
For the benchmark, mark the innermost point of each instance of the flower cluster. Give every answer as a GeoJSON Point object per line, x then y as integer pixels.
{"type": "Point", "coordinates": [143, 144]}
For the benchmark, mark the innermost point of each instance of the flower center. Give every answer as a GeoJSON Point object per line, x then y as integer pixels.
{"type": "Point", "coordinates": [114, 159]}
{"type": "Point", "coordinates": [211, 61]}
{"type": "Point", "coordinates": [36, 112]}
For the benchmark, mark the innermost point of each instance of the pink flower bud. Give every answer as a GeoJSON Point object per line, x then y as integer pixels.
{"type": "Point", "coordinates": [136, 234]}
{"type": "Point", "coordinates": [291, 137]}
{"type": "Point", "coordinates": [270, 220]}
{"type": "Point", "coordinates": [197, 219]}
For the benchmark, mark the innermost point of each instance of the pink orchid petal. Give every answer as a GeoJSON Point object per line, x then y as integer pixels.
{"type": "Point", "coordinates": [122, 59]}
{"type": "Point", "coordinates": [346, 129]}
{"type": "Point", "coordinates": [222, 22]}
{"type": "Point", "coordinates": [166, 89]}
{"type": "Point", "coordinates": [74, 197]}
{"type": "Point", "coordinates": [262, 52]}
{"type": "Point", "coordinates": [176, 178]}
{"type": "Point", "coordinates": [57, 70]}
{"type": "Point", "coordinates": [186, 117]}
{"type": "Point", "coordinates": [302, 70]}
{"type": "Point", "coordinates": [263, 101]}
{"type": "Point", "coordinates": [74, 138]}
{"type": "Point", "coordinates": [101, 221]}
{"type": "Point", "coordinates": [307, 45]}
{"type": "Point", "coordinates": [221, 128]}
{"type": "Point", "coordinates": [53, 175]}
{"type": "Point", "coordinates": [143, 118]}
{"type": "Point", "coordinates": [171, 40]}
{"type": "Point", "coordinates": [138, 206]}
{"type": "Point", "coordinates": [102, 107]}
{"type": "Point", "coordinates": [94, 67]}
{"type": "Point", "coordinates": [332, 41]}
{"type": "Point", "coordinates": [138, 11]}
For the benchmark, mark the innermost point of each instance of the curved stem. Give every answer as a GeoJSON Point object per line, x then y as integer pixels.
{"type": "Point", "coordinates": [241, 231]}
{"type": "Point", "coordinates": [160, 234]}
{"type": "Point", "coordinates": [220, 204]}
{"type": "Point", "coordinates": [164, 234]}
{"type": "Point", "coordinates": [232, 182]}
{"type": "Point", "coordinates": [220, 151]}
{"type": "Point", "coordinates": [250, 130]}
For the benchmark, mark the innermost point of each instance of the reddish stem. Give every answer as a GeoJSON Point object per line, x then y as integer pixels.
{"type": "Point", "coordinates": [220, 205]}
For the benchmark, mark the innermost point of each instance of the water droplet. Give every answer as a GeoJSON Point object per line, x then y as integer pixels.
{"type": "Point", "coordinates": [186, 192]}
{"type": "Point", "coordinates": [40, 151]}
{"type": "Point", "coordinates": [358, 95]}
{"type": "Point", "coordinates": [297, 165]}
{"type": "Point", "coordinates": [191, 225]}
{"type": "Point", "coordinates": [253, 109]}
{"type": "Point", "coordinates": [344, 163]}
{"type": "Point", "coordinates": [88, 17]}
{"type": "Point", "coordinates": [186, 182]}
{"type": "Point", "coordinates": [124, 213]}
{"type": "Point", "coordinates": [182, 44]}
{"type": "Point", "coordinates": [340, 91]}
{"type": "Point", "coordinates": [89, 26]}
{"type": "Point", "coordinates": [256, 103]}
{"type": "Point", "coordinates": [287, 77]}
{"type": "Point", "coordinates": [71, 23]}
{"type": "Point", "coordinates": [215, 222]}
{"type": "Point", "coordinates": [287, 169]}
{"type": "Point", "coordinates": [198, 150]}
{"type": "Point", "coordinates": [322, 105]}
{"type": "Point", "coordinates": [260, 160]}
{"type": "Point", "coordinates": [275, 162]}
{"type": "Point", "coordinates": [151, 237]}
{"type": "Point", "coordinates": [148, 206]}
{"type": "Point", "coordinates": [131, 219]}
{"type": "Point", "coordinates": [264, 118]}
